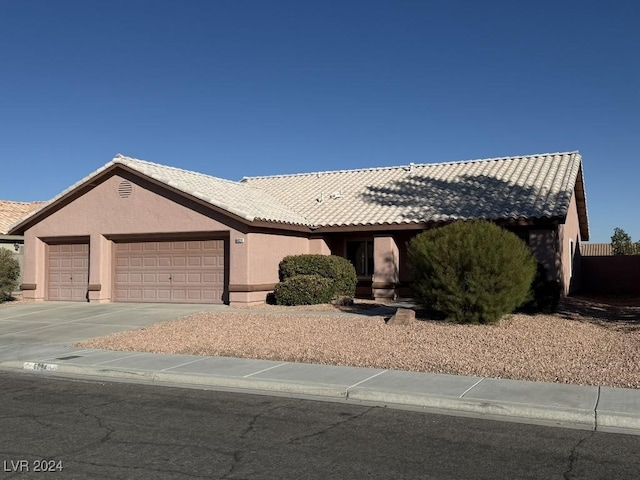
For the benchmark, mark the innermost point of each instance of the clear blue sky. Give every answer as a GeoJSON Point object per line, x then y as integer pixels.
{"type": "Point", "coordinates": [255, 87]}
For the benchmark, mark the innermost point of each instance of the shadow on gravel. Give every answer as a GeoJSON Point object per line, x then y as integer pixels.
{"type": "Point", "coordinates": [616, 312]}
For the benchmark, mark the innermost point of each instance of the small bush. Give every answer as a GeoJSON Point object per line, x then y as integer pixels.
{"type": "Point", "coordinates": [304, 290]}
{"type": "Point", "coordinates": [9, 274]}
{"type": "Point", "coordinates": [337, 269]}
{"type": "Point", "coordinates": [545, 294]}
{"type": "Point", "coordinates": [471, 271]}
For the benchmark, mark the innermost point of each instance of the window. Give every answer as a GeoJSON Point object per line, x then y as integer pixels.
{"type": "Point", "coordinates": [360, 254]}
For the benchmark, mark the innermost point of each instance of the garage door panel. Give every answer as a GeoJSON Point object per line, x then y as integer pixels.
{"type": "Point", "coordinates": [194, 261]}
{"type": "Point", "coordinates": [180, 261]}
{"type": "Point", "coordinates": [182, 271]}
{"type": "Point", "coordinates": [68, 277]}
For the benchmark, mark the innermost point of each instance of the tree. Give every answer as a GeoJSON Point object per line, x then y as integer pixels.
{"type": "Point", "coordinates": [621, 243]}
{"type": "Point", "coordinates": [9, 274]}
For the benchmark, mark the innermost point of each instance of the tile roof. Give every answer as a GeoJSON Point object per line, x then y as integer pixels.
{"type": "Point", "coordinates": [535, 186]}
{"type": "Point", "coordinates": [596, 249]}
{"type": "Point", "coordinates": [240, 199]}
{"type": "Point", "coordinates": [234, 197]}
{"type": "Point", "coordinates": [12, 212]}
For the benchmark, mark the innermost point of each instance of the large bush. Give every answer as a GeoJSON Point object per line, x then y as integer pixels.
{"type": "Point", "coordinates": [304, 290]}
{"type": "Point", "coordinates": [338, 270]}
{"type": "Point", "coordinates": [471, 271]}
{"type": "Point", "coordinates": [9, 274]}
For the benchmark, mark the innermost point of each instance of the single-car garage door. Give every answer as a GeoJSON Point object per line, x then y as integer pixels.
{"type": "Point", "coordinates": [68, 272]}
{"type": "Point", "coordinates": [177, 271]}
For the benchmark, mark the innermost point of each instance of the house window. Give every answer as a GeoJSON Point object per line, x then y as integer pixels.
{"type": "Point", "coordinates": [360, 254]}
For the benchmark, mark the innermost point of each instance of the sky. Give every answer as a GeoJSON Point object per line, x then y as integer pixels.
{"type": "Point", "coordinates": [235, 88]}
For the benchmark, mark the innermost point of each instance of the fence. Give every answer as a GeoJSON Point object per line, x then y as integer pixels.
{"type": "Point", "coordinates": [618, 274]}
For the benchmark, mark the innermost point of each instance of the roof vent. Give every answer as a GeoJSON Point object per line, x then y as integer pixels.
{"type": "Point", "coordinates": [125, 189]}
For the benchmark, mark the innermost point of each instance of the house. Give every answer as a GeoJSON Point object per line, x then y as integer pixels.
{"type": "Point", "coordinates": [10, 213]}
{"type": "Point", "coordinates": [596, 249]}
{"type": "Point", "coordinates": [135, 231]}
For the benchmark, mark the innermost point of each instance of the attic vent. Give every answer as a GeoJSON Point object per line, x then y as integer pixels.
{"type": "Point", "coordinates": [124, 189]}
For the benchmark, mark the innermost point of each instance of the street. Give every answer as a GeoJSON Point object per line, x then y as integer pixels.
{"type": "Point", "coordinates": [88, 429]}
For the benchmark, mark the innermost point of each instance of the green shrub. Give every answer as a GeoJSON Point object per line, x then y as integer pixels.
{"type": "Point", "coordinates": [471, 271]}
{"type": "Point", "coordinates": [304, 290]}
{"type": "Point", "coordinates": [9, 274]}
{"type": "Point", "coordinates": [545, 294]}
{"type": "Point", "coordinates": [337, 269]}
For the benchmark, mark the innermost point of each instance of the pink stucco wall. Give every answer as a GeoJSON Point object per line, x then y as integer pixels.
{"type": "Point", "coordinates": [568, 235]}
{"type": "Point", "coordinates": [386, 260]}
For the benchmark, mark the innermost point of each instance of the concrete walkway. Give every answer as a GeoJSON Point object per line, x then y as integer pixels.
{"type": "Point", "coordinates": [37, 337]}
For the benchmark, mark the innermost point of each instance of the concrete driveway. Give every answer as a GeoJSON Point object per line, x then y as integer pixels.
{"type": "Point", "coordinates": [69, 322]}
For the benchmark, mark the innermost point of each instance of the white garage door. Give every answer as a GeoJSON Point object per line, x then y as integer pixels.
{"type": "Point", "coordinates": [177, 271]}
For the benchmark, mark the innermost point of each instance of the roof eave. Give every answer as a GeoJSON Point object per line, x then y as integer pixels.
{"type": "Point", "coordinates": [581, 205]}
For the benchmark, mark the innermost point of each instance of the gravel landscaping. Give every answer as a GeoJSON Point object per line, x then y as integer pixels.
{"type": "Point", "coordinates": [588, 342]}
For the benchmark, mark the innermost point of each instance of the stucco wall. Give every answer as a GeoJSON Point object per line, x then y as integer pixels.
{"type": "Point", "coordinates": [568, 235]}
{"type": "Point", "coordinates": [263, 252]}
{"type": "Point", "coordinates": [386, 260]}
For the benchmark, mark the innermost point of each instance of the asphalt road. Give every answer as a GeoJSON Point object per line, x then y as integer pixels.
{"type": "Point", "coordinates": [97, 430]}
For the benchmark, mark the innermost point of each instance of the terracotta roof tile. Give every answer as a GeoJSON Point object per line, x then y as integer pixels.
{"type": "Point", "coordinates": [12, 212]}
{"type": "Point", "coordinates": [535, 186]}
{"type": "Point", "coordinates": [596, 249]}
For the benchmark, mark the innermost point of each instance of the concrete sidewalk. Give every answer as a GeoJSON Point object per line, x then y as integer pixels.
{"type": "Point", "coordinates": [594, 408]}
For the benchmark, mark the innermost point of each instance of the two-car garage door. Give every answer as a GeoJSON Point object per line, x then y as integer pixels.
{"type": "Point", "coordinates": [170, 271]}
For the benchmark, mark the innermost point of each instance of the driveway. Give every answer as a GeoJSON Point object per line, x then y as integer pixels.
{"type": "Point", "coordinates": [70, 322]}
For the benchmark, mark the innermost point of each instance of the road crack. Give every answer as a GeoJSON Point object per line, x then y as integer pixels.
{"type": "Point", "coordinates": [573, 456]}
{"type": "Point", "coordinates": [330, 427]}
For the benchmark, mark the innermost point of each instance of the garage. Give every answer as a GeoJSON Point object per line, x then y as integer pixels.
{"type": "Point", "coordinates": [170, 271]}
{"type": "Point", "coordinates": [68, 272]}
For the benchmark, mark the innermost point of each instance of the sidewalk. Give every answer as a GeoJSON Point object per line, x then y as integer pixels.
{"type": "Point", "coordinates": [593, 408]}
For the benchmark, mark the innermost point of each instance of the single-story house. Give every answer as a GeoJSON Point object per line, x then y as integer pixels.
{"type": "Point", "coordinates": [135, 231]}
{"type": "Point", "coordinates": [10, 213]}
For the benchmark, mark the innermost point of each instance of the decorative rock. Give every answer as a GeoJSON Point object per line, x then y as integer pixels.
{"type": "Point", "coordinates": [403, 316]}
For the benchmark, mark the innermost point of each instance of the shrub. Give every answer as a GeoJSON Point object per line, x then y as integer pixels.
{"type": "Point", "coordinates": [471, 271]}
{"type": "Point", "coordinates": [304, 290]}
{"type": "Point", "coordinates": [337, 269]}
{"type": "Point", "coordinates": [9, 274]}
{"type": "Point", "coordinates": [545, 294]}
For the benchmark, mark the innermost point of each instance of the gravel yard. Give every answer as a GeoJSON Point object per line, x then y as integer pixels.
{"type": "Point", "coordinates": [589, 342]}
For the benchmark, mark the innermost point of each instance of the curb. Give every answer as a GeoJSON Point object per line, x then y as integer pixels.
{"type": "Point", "coordinates": [580, 418]}
{"type": "Point", "coordinates": [577, 417]}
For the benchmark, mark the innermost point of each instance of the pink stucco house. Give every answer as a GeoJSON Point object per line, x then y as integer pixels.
{"type": "Point", "coordinates": [135, 231]}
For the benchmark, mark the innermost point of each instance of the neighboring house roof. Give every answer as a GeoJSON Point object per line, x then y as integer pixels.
{"type": "Point", "coordinates": [12, 212]}
{"type": "Point", "coordinates": [527, 187]}
{"type": "Point", "coordinates": [596, 249]}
